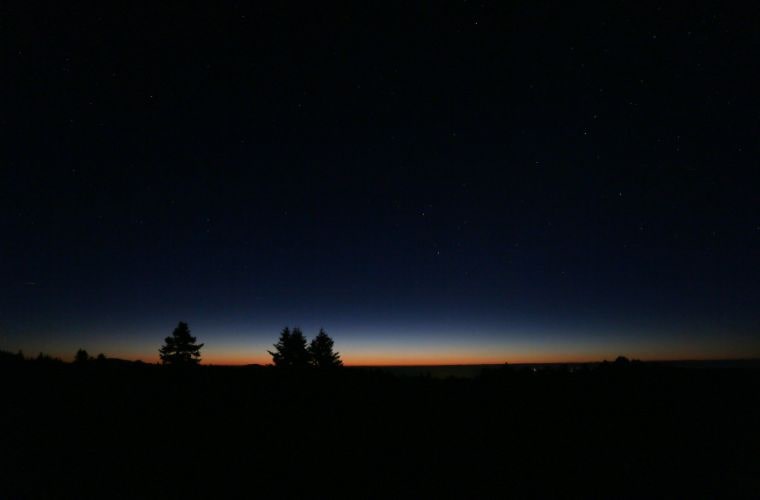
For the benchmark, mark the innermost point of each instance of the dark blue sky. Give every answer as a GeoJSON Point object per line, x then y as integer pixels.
{"type": "Point", "coordinates": [450, 182]}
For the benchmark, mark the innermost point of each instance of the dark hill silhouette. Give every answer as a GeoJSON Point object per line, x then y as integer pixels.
{"type": "Point", "coordinates": [123, 430]}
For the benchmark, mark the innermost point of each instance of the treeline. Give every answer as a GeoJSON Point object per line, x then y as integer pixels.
{"type": "Point", "coordinates": [81, 357]}
{"type": "Point", "coordinates": [292, 350]}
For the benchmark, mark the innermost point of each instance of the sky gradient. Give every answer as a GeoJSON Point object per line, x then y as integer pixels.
{"type": "Point", "coordinates": [450, 183]}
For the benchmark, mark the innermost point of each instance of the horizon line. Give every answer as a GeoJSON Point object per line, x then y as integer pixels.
{"type": "Point", "coordinates": [515, 363]}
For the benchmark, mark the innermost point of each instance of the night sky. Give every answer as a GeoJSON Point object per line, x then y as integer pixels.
{"type": "Point", "coordinates": [431, 182]}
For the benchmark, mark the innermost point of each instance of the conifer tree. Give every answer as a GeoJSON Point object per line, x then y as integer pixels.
{"type": "Point", "coordinates": [321, 351]}
{"type": "Point", "coordinates": [180, 348]}
{"type": "Point", "coordinates": [81, 357]}
{"type": "Point", "coordinates": [290, 350]}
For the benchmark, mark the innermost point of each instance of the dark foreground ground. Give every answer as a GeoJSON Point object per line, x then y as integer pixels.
{"type": "Point", "coordinates": [117, 430]}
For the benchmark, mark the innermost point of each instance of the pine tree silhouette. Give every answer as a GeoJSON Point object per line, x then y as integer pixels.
{"type": "Point", "coordinates": [81, 357]}
{"type": "Point", "coordinates": [290, 350]}
{"type": "Point", "coordinates": [281, 347]}
{"type": "Point", "coordinates": [321, 350]}
{"type": "Point", "coordinates": [180, 348]}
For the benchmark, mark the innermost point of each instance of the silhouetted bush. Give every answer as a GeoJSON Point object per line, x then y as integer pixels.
{"type": "Point", "coordinates": [10, 358]}
{"type": "Point", "coordinates": [47, 359]}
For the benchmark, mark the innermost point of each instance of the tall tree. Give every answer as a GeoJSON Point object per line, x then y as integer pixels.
{"type": "Point", "coordinates": [180, 348]}
{"type": "Point", "coordinates": [81, 357]}
{"type": "Point", "coordinates": [321, 350]}
{"type": "Point", "coordinates": [290, 350]}
{"type": "Point", "coordinates": [280, 348]}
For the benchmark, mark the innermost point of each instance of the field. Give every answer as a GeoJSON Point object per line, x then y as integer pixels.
{"type": "Point", "coordinates": [124, 430]}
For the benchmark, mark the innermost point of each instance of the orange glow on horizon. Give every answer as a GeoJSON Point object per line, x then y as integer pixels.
{"type": "Point", "coordinates": [421, 356]}
{"type": "Point", "coordinates": [433, 360]}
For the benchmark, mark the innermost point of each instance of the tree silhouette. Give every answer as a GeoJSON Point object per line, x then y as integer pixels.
{"type": "Point", "coordinates": [281, 348]}
{"type": "Point", "coordinates": [81, 357]}
{"type": "Point", "coordinates": [180, 348]}
{"type": "Point", "coordinates": [321, 351]}
{"type": "Point", "coordinates": [290, 350]}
